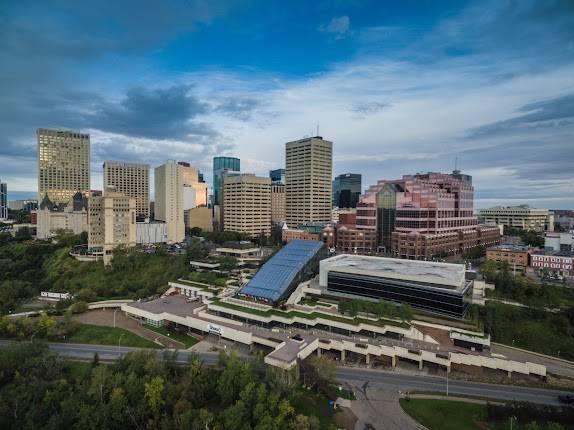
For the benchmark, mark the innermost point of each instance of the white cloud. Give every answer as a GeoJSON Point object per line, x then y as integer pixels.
{"type": "Point", "coordinates": [340, 26]}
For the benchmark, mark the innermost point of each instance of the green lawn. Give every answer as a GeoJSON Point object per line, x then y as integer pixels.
{"type": "Point", "coordinates": [100, 335]}
{"type": "Point", "coordinates": [188, 341]}
{"type": "Point", "coordinates": [445, 414]}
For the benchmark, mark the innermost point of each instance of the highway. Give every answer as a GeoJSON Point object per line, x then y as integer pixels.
{"type": "Point", "coordinates": [386, 380]}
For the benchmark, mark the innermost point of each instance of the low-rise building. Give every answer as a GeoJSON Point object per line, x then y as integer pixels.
{"type": "Point", "coordinates": [289, 234]}
{"type": "Point", "coordinates": [357, 241]}
{"type": "Point", "coordinates": [441, 288]}
{"type": "Point", "coordinates": [521, 217]}
{"type": "Point", "coordinates": [148, 233]}
{"type": "Point", "coordinates": [555, 262]}
{"type": "Point", "coordinates": [517, 256]}
{"type": "Point", "coordinates": [71, 217]}
{"type": "Point", "coordinates": [559, 241]}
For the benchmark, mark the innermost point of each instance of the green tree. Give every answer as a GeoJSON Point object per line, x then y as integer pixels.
{"type": "Point", "coordinates": [228, 263]}
{"type": "Point", "coordinates": [154, 393]}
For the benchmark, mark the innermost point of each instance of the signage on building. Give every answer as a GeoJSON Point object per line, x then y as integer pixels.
{"type": "Point", "coordinates": [214, 329]}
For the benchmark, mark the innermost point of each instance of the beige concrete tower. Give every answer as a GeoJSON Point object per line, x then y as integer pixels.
{"type": "Point", "coordinates": [247, 204]}
{"type": "Point", "coordinates": [112, 222]}
{"type": "Point", "coordinates": [169, 200]}
{"type": "Point", "coordinates": [63, 164]}
{"type": "Point", "coordinates": [308, 176]}
{"type": "Point", "coordinates": [132, 180]}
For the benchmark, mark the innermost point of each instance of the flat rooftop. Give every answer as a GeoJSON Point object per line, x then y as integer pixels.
{"type": "Point", "coordinates": [441, 274]}
{"type": "Point", "coordinates": [176, 305]}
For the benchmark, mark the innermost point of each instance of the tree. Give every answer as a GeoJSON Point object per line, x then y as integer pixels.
{"type": "Point", "coordinates": [488, 270]}
{"type": "Point", "coordinates": [228, 263]}
{"type": "Point", "coordinates": [23, 233]}
{"type": "Point", "coordinates": [154, 392]}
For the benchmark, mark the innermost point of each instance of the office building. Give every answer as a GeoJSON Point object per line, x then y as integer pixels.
{"type": "Point", "coordinates": [168, 204]}
{"type": "Point", "coordinates": [149, 233]}
{"type": "Point", "coordinates": [564, 219]}
{"type": "Point", "coordinates": [132, 180]}
{"type": "Point", "coordinates": [112, 223]}
{"type": "Point", "coordinates": [517, 256]}
{"type": "Point", "coordinates": [521, 217]}
{"type": "Point", "coordinates": [199, 217]}
{"type": "Point", "coordinates": [71, 217]}
{"type": "Point", "coordinates": [346, 190]}
{"type": "Point", "coordinates": [63, 164]}
{"type": "Point", "coordinates": [277, 203]}
{"type": "Point", "coordinates": [23, 205]}
{"type": "Point", "coordinates": [423, 216]}
{"type": "Point", "coordinates": [308, 175]}
{"type": "Point", "coordinates": [221, 164]}
{"type": "Point", "coordinates": [440, 288]}
{"type": "Point", "coordinates": [3, 200]}
{"type": "Point", "coordinates": [195, 190]}
{"type": "Point", "coordinates": [555, 241]}
{"type": "Point", "coordinates": [277, 176]}
{"type": "Point", "coordinates": [246, 204]}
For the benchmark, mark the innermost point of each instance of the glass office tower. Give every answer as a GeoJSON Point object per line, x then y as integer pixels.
{"type": "Point", "coordinates": [220, 165]}
{"type": "Point", "coordinates": [346, 190]}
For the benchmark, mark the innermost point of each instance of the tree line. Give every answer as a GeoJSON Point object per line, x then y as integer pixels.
{"type": "Point", "coordinates": [379, 309]}
{"type": "Point", "coordinates": [140, 391]}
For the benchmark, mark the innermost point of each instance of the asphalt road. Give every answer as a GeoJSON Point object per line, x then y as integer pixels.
{"type": "Point", "coordinates": [357, 376]}
{"type": "Point", "coordinates": [401, 382]}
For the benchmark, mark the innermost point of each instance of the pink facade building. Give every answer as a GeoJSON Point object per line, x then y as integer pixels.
{"type": "Point", "coordinates": [561, 263]}
{"type": "Point", "coordinates": [424, 215]}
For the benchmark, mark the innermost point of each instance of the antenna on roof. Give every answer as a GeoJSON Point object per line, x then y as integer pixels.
{"type": "Point", "coordinates": [456, 162]}
{"type": "Point", "coordinates": [318, 129]}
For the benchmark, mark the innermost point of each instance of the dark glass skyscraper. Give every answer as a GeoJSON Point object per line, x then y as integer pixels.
{"type": "Point", "coordinates": [221, 164]}
{"type": "Point", "coordinates": [3, 200]}
{"type": "Point", "coordinates": [347, 190]}
{"type": "Point", "coordinates": [277, 176]}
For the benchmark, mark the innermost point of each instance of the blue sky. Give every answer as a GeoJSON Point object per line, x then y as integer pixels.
{"type": "Point", "coordinates": [399, 87]}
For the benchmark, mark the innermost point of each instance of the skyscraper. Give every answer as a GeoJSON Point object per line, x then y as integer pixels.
{"type": "Point", "coordinates": [246, 204]}
{"type": "Point", "coordinates": [63, 164]}
{"type": "Point", "coordinates": [221, 164]}
{"type": "Point", "coordinates": [346, 190]}
{"type": "Point", "coordinates": [168, 205]}
{"type": "Point", "coordinates": [277, 176]}
{"type": "Point", "coordinates": [132, 180]}
{"type": "Point", "coordinates": [277, 203]}
{"type": "Point", "coordinates": [3, 200]}
{"type": "Point", "coordinates": [195, 191]}
{"type": "Point", "coordinates": [308, 175]}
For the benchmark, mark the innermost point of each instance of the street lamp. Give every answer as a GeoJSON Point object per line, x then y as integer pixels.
{"type": "Point", "coordinates": [119, 345]}
{"type": "Point", "coordinates": [115, 317]}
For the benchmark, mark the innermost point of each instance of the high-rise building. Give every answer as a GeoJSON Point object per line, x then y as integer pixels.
{"type": "Point", "coordinates": [112, 222]}
{"type": "Point", "coordinates": [422, 216]}
{"type": "Point", "coordinates": [246, 204]}
{"type": "Point", "coordinates": [277, 203]}
{"type": "Point", "coordinates": [221, 164]}
{"type": "Point", "coordinates": [63, 164]}
{"type": "Point", "coordinates": [3, 200]}
{"type": "Point", "coordinates": [277, 176]}
{"type": "Point", "coordinates": [132, 180]}
{"type": "Point", "coordinates": [169, 200]}
{"type": "Point", "coordinates": [346, 190]}
{"type": "Point", "coordinates": [308, 175]}
{"type": "Point", "coordinates": [195, 191]}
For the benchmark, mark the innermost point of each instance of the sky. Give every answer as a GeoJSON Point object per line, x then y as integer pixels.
{"type": "Point", "coordinates": [399, 87]}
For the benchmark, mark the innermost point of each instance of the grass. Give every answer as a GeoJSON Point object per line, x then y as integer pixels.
{"type": "Point", "coordinates": [309, 316]}
{"type": "Point", "coordinates": [101, 335]}
{"type": "Point", "coordinates": [186, 340]}
{"type": "Point", "coordinates": [445, 414]}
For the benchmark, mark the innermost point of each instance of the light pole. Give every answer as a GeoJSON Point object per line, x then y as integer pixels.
{"type": "Point", "coordinates": [447, 369]}
{"type": "Point", "coordinates": [115, 317]}
{"type": "Point", "coordinates": [119, 345]}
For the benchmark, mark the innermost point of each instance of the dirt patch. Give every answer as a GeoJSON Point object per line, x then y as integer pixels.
{"type": "Point", "coordinates": [345, 418]}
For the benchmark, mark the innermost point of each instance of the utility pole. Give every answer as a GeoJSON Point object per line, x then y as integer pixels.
{"type": "Point", "coordinates": [119, 344]}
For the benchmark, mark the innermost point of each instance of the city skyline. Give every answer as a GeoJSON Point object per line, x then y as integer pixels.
{"type": "Point", "coordinates": [500, 100]}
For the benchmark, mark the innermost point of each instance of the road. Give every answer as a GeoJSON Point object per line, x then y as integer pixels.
{"type": "Point", "coordinates": [557, 367]}
{"type": "Point", "coordinates": [401, 382]}
{"type": "Point", "coordinates": [356, 376]}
